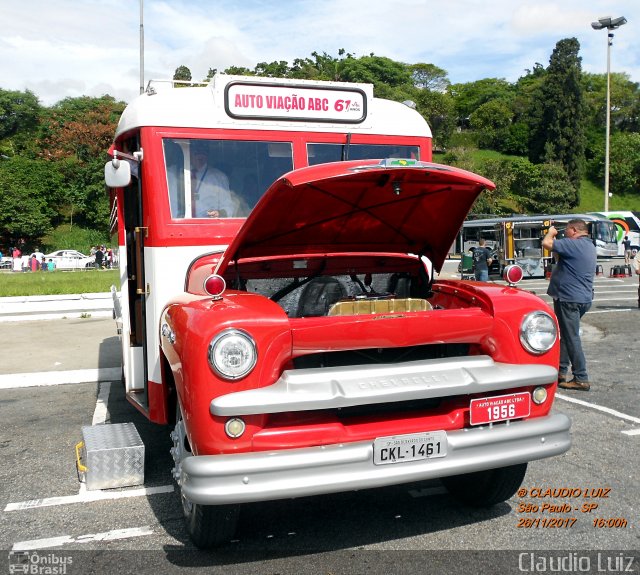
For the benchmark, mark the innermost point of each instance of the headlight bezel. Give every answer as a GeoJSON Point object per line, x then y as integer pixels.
{"type": "Point", "coordinates": [526, 332]}
{"type": "Point", "coordinates": [215, 346]}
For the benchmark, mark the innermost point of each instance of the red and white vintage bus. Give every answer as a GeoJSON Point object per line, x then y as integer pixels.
{"type": "Point", "coordinates": [279, 246]}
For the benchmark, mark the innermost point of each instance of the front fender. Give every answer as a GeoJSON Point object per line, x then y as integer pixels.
{"type": "Point", "coordinates": [187, 327]}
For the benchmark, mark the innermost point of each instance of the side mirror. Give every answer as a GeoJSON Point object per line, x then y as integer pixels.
{"type": "Point", "coordinates": [117, 173]}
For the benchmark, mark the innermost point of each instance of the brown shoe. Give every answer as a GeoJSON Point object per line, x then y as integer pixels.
{"type": "Point", "coordinates": [575, 384]}
{"type": "Point", "coordinates": [562, 377]}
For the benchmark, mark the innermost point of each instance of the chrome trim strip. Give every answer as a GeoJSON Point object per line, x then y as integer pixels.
{"type": "Point", "coordinates": [288, 473]}
{"type": "Point", "coordinates": [335, 387]}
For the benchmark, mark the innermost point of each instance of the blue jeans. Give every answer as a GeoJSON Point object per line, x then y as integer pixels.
{"type": "Point", "coordinates": [482, 275]}
{"type": "Point", "coordinates": [571, 354]}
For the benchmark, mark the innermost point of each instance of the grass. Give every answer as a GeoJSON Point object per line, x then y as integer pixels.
{"type": "Point", "coordinates": [57, 282]}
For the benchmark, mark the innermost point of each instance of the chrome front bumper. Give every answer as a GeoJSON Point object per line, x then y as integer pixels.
{"type": "Point", "coordinates": [270, 475]}
{"type": "Point", "coordinates": [337, 387]}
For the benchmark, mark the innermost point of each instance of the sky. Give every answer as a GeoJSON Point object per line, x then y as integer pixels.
{"type": "Point", "coordinates": [69, 48]}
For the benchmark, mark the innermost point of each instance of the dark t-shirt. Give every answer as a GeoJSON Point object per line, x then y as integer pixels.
{"type": "Point", "coordinates": [480, 257]}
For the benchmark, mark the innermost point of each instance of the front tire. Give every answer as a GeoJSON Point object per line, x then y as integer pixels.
{"type": "Point", "coordinates": [208, 525]}
{"type": "Point", "coordinates": [486, 488]}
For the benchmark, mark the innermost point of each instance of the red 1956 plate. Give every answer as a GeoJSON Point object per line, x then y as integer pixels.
{"type": "Point", "coordinates": [500, 408]}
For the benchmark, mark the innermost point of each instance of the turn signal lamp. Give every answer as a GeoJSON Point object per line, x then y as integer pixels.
{"type": "Point", "coordinates": [539, 395]}
{"type": "Point", "coordinates": [234, 427]}
{"type": "Point", "coordinates": [215, 285]}
{"type": "Point", "coordinates": [512, 274]}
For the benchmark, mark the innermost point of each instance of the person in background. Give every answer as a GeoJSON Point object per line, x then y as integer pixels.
{"type": "Point", "coordinates": [571, 287]}
{"type": "Point", "coordinates": [481, 261]}
{"type": "Point", "coordinates": [38, 255]}
{"type": "Point", "coordinates": [636, 265]}
{"type": "Point", "coordinates": [16, 254]}
{"type": "Point", "coordinates": [627, 249]}
{"type": "Point", "coordinates": [99, 258]}
{"type": "Point", "coordinates": [51, 265]}
{"type": "Point", "coordinates": [43, 264]}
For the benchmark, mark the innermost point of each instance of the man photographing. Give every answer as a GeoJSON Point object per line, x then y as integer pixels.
{"type": "Point", "coordinates": [571, 287]}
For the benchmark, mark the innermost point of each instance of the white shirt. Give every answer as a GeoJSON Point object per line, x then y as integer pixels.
{"type": "Point", "coordinates": [210, 191]}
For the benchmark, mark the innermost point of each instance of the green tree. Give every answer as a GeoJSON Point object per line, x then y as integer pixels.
{"type": "Point", "coordinates": [559, 135]}
{"type": "Point", "coordinates": [182, 74]}
{"type": "Point", "coordinates": [19, 116]}
{"type": "Point", "coordinates": [429, 77]}
{"type": "Point", "coordinates": [320, 66]}
{"type": "Point", "coordinates": [542, 188]}
{"type": "Point", "coordinates": [29, 194]}
{"type": "Point", "coordinates": [491, 120]}
{"type": "Point", "coordinates": [624, 163]}
{"type": "Point", "coordinates": [470, 96]}
{"type": "Point", "coordinates": [273, 69]}
{"type": "Point", "coordinates": [382, 72]}
{"type": "Point", "coordinates": [232, 70]}
{"type": "Point", "coordinates": [74, 137]}
{"type": "Point", "coordinates": [438, 109]}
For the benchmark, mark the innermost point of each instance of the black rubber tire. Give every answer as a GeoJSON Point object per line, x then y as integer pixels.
{"type": "Point", "coordinates": [486, 488]}
{"type": "Point", "coordinates": [210, 525]}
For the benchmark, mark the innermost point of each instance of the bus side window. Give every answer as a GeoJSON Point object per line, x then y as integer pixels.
{"type": "Point", "coordinates": [175, 178]}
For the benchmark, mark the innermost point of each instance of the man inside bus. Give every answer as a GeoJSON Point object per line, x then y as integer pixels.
{"type": "Point", "coordinates": [210, 193]}
{"type": "Point", "coordinates": [571, 287]}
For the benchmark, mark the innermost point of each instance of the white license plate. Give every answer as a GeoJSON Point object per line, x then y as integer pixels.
{"type": "Point", "coordinates": [404, 448]}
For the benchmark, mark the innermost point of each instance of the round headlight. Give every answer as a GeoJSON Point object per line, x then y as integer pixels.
{"type": "Point", "coordinates": [232, 354]}
{"type": "Point", "coordinates": [538, 332]}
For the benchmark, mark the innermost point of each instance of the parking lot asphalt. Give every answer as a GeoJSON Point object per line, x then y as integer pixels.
{"type": "Point", "coordinates": [59, 345]}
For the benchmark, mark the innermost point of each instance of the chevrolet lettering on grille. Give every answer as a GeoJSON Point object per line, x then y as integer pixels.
{"type": "Point", "coordinates": [403, 382]}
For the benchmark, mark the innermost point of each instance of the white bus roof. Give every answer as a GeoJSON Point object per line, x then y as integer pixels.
{"type": "Point", "coordinates": [219, 105]}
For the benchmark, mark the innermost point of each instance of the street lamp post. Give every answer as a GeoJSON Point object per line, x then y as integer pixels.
{"type": "Point", "coordinates": [141, 49]}
{"type": "Point", "coordinates": [610, 24]}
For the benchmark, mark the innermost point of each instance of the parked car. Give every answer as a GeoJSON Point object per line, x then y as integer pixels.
{"type": "Point", "coordinates": [70, 259]}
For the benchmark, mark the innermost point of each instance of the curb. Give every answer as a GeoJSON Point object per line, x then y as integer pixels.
{"type": "Point", "coordinates": [47, 378]}
{"type": "Point", "coordinates": [24, 308]}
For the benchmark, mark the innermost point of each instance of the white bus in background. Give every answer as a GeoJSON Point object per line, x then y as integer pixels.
{"type": "Point", "coordinates": [627, 224]}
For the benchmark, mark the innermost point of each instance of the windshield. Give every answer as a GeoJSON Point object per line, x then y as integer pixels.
{"type": "Point", "coordinates": [323, 153]}
{"type": "Point", "coordinates": [221, 178]}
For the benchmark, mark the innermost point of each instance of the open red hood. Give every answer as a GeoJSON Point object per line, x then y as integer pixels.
{"type": "Point", "coordinates": [392, 205]}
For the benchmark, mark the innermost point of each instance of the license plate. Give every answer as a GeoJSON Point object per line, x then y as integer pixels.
{"type": "Point", "coordinates": [500, 408]}
{"type": "Point", "coordinates": [404, 448]}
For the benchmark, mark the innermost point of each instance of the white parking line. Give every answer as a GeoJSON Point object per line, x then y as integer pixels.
{"type": "Point", "coordinates": [87, 496]}
{"type": "Point", "coordinates": [88, 538]}
{"type": "Point", "coordinates": [604, 410]}
{"type": "Point", "coordinates": [618, 309]}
